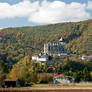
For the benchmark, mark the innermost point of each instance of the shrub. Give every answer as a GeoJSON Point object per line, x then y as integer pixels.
{"type": "Point", "coordinates": [45, 78]}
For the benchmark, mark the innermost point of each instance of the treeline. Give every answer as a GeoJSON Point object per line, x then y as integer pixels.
{"type": "Point", "coordinates": [29, 72]}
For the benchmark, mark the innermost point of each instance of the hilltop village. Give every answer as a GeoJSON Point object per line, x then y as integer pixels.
{"type": "Point", "coordinates": [56, 49]}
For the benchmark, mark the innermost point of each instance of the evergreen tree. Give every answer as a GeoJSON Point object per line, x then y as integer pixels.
{"type": "Point", "coordinates": [86, 74]}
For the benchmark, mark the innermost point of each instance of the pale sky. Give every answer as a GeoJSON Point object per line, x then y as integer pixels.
{"type": "Point", "coordinates": [16, 13]}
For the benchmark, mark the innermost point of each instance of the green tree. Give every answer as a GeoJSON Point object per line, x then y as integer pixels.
{"type": "Point", "coordinates": [86, 74]}
{"type": "Point", "coordinates": [2, 77]}
{"type": "Point", "coordinates": [77, 76]}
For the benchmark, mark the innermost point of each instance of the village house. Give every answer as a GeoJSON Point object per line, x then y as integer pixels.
{"type": "Point", "coordinates": [11, 83]}
{"type": "Point", "coordinates": [42, 57]}
{"type": "Point", "coordinates": [61, 79]}
{"type": "Point", "coordinates": [85, 57]}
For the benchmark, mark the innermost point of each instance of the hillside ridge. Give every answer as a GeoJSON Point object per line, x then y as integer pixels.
{"type": "Point", "coordinates": [16, 43]}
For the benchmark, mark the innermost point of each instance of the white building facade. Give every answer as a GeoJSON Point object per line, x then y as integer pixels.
{"type": "Point", "coordinates": [85, 57]}
{"type": "Point", "coordinates": [61, 79]}
{"type": "Point", "coordinates": [41, 57]}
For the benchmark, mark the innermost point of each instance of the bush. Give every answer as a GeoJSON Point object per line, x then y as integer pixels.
{"type": "Point", "coordinates": [44, 78]}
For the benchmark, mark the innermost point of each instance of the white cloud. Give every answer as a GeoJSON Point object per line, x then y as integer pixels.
{"type": "Point", "coordinates": [46, 12]}
{"type": "Point", "coordinates": [21, 9]}
{"type": "Point", "coordinates": [89, 7]}
{"type": "Point", "coordinates": [58, 11]}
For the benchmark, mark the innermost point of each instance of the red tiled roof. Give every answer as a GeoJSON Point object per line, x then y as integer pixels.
{"type": "Point", "coordinates": [62, 76]}
{"type": "Point", "coordinates": [86, 56]}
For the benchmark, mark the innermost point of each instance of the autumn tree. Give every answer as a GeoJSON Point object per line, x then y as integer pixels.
{"type": "Point", "coordinates": [45, 78]}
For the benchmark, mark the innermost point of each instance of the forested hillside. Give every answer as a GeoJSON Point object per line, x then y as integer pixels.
{"type": "Point", "coordinates": [15, 43]}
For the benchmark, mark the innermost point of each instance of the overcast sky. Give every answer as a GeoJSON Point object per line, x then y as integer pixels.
{"type": "Point", "coordinates": [15, 13]}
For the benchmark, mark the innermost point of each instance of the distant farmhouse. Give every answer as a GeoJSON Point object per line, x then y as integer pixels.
{"type": "Point", "coordinates": [85, 57]}
{"type": "Point", "coordinates": [58, 49]}
{"type": "Point", "coordinates": [61, 79]}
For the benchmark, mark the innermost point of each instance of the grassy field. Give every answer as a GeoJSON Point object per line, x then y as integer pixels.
{"type": "Point", "coordinates": [64, 85]}
{"type": "Point", "coordinates": [52, 88]}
